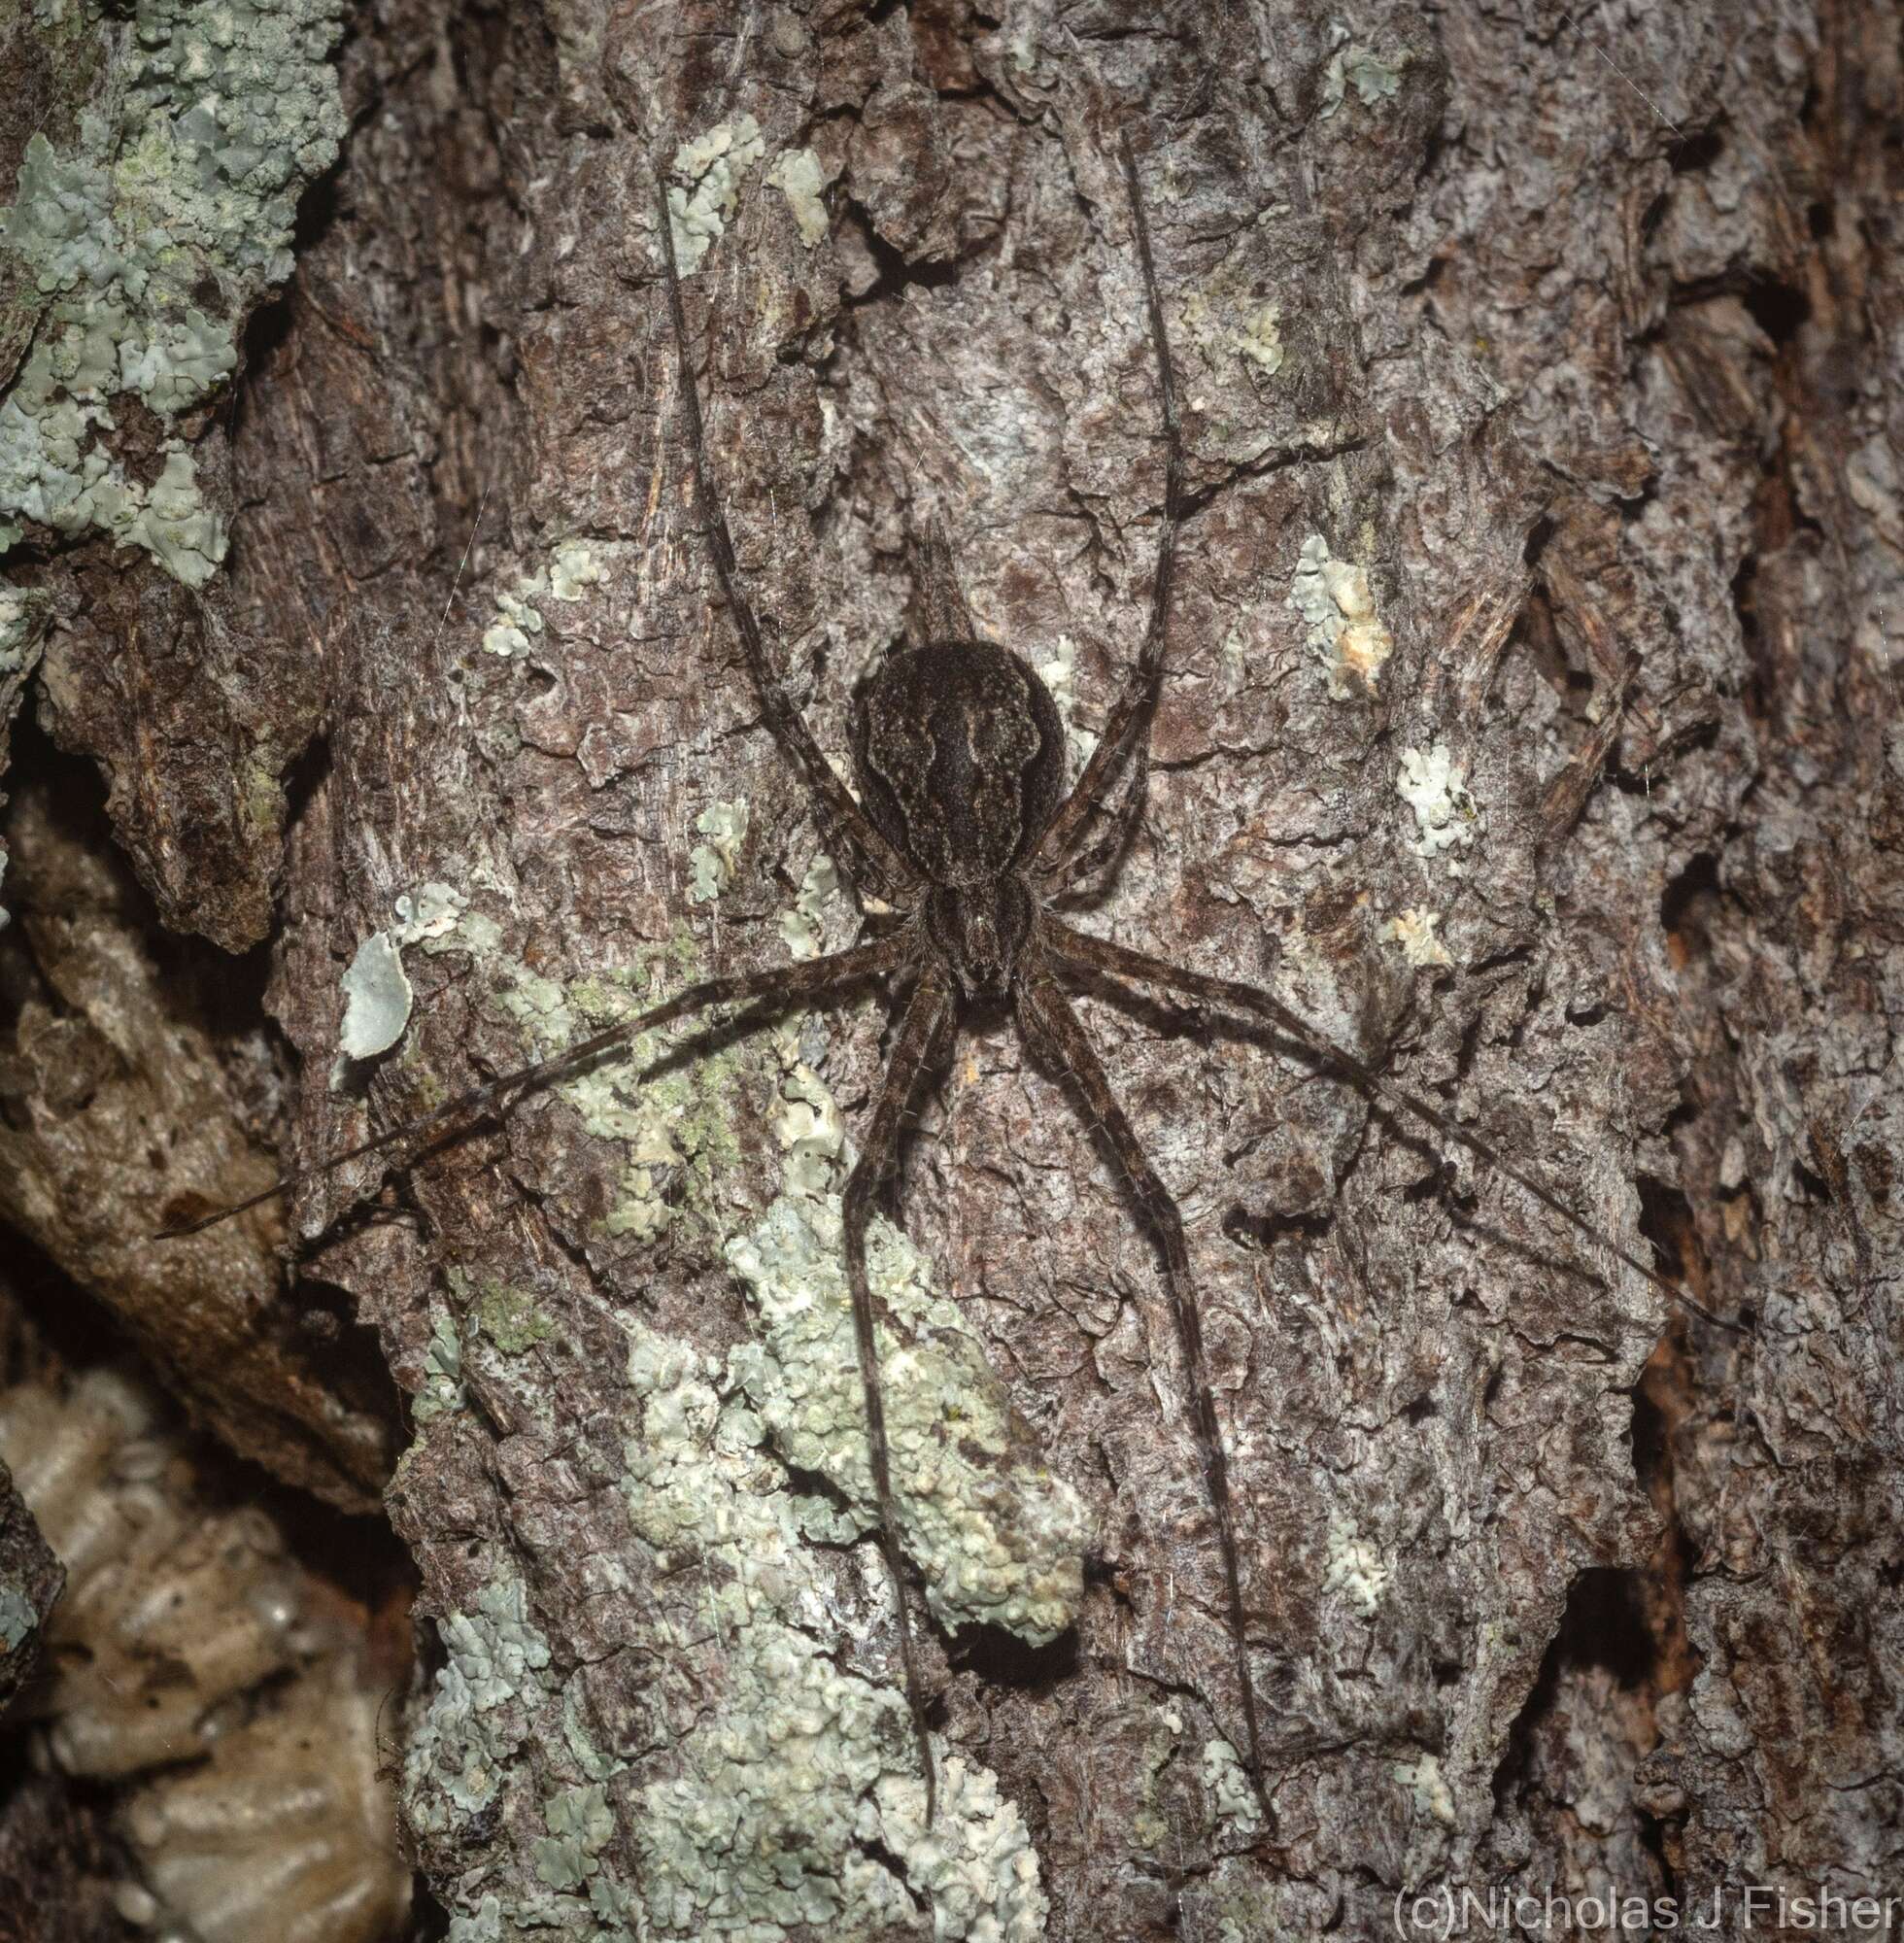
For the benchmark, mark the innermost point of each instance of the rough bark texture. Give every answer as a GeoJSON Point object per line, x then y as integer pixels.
{"type": "Point", "coordinates": [1580, 337]}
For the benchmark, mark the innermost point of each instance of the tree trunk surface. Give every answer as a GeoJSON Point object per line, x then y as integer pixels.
{"type": "Point", "coordinates": [1530, 724]}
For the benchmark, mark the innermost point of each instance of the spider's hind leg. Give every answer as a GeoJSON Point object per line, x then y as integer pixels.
{"type": "Point", "coordinates": [1053, 1028]}
{"type": "Point", "coordinates": [926, 1013]}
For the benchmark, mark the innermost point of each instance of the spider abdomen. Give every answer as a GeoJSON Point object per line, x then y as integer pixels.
{"type": "Point", "coordinates": [961, 755]}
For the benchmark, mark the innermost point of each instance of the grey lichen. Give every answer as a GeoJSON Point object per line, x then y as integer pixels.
{"type": "Point", "coordinates": [479, 1714]}
{"type": "Point", "coordinates": [713, 864]}
{"type": "Point", "coordinates": [1345, 634]}
{"type": "Point", "coordinates": [1435, 787]}
{"type": "Point", "coordinates": [1374, 78]}
{"type": "Point", "coordinates": [783, 1793]}
{"type": "Point", "coordinates": [998, 1537]}
{"type": "Point", "coordinates": [186, 180]}
{"type": "Point", "coordinates": [1413, 930]}
{"type": "Point", "coordinates": [796, 174]}
{"type": "Point", "coordinates": [571, 568]}
{"type": "Point", "coordinates": [377, 999]}
{"type": "Point", "coordinates": [802, 927]}
{"type": "Point", "coordinates": [377, 991]}
{"type": "Point", "coordinates": [677, 1125]}
{"type": "Point", "coordinates": [703, 198]}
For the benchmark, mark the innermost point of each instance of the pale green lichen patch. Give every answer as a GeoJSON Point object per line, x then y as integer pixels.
{"type": "Point", "coordinates": [17, 1618]}
{"type": "Point", "coordinates": [998, 1537]}
{"type": "Point", "coordinates": [442, 1390]}
{"type": "Point", "coordinates": [703, 198]}
{"type": "Point", "coordinates": [801, 928]}
{"type": "Point", "coordinates": [796, 174]}
{"type": "Point", "coordinates": [377, 994]}
{"type": "Point", "coordinates": [377, 999]}
{"type": "Point", "coordinates": [1227, 1784]}
{"type": "Point", "coordinates": [677, 1125]}
{"type": "Point", "coordinates": [1356, 1568]}
{"type": "Point", "coordinates": [713, 864]}
{"type": "Point", "coordinates": [782, 1790]}
{"type": "Point", "coordinates": [510, 1319]}
{"type": "Point", "coordinates": [220, 116]}
{"type": "Point", "coordinates": [571, 568]}
{"type": "Point", "coordinates": [1422, 1777]}
{"type": "Point", "coordinates": [1435, 786]}
{"type": "Point", "coordinates": [1376, 79]}
{"type": "Point", "coordinates": [1242, 325]}
{"type": "Point", "coordinates": [479, 1716]}
{"type": "Point", "coordinates": [1345, 634]}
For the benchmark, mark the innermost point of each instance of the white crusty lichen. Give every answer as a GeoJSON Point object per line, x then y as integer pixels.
{"type": "Point", "coordinates": [1413, 930]}
{"type": "Point", "coordinates": [1422, 1777]}
{"type": "Point", "coordinates": [713, 864]}
{"type": "Point", "coordinates": [1345, 634]}
{"type": "Point", "coordinates": [142, 241]}
{"type": "Point", "coordinates": [571, 568]}
{"type": "Point", "coordinates": [1226, 1781]}
{"type": "Point", "coordinates": [784, 1792]}
{"type": "Point", "coordinates": [1435, 786]}
{"type": "Point", "coordinates": [707, 171]}
{"type": "Point", "coordinates": [1059, 674]}
{"type": "Point", "coordinates": [796, 174]}
{"type": "Point", "coordinates": [1356, 1568]}
{"type": "Point", "coordinates": [1374, 80]}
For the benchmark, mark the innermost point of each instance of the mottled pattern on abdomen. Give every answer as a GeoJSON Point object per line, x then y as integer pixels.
{"type": "Point", "coordinates": [960, 756]}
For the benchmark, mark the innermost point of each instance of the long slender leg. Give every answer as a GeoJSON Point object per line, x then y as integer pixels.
{"type": "Point", "coordinates": [1131, 712]}
{"type": "Point", "coordinates": [879, 865]}
{"type": "Point", "coordinates": [1100, 954]}
{"type": "Point", "coordinates": [1086, 872]}
{"type": "Point", "coordinates": [924, 1016]}
{"type": "Point", "coordinates": [785, 982]}
{"type": "Point", "coordinates": [1049, 1022]}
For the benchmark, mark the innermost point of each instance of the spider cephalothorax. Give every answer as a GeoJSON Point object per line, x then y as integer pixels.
{"type": "Point", "coordinates": [964, 828]}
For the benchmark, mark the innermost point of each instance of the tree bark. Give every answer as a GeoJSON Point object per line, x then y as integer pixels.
{"type": "Point", "coordinates": [1530, 724]}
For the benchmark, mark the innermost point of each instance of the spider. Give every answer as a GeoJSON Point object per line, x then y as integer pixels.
{"type": "Point", "coordinates": [964, 829]}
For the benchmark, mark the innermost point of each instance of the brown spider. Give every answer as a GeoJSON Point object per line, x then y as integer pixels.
{"type": "Point", "coordinates": [964, 829]}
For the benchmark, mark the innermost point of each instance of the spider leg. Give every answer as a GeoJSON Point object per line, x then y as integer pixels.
{"type": "Point", "coordinates": [872, 862]}
{"type": "Point", "coordinates": [926, 1014]}
{"type": "Point", "coordinates": [1128, 729]}
{"type": "Point", "coordinates": [1048, 1021]}
{"type": "Point", "coordinates": [784, 984]}
{"type": "Point", "coordinates": [1100, 954]}
{"type": "Point", "coordinates": [1085, 875]}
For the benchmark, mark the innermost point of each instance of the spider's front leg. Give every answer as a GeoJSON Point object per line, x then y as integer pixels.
{"type": "Point", "coordinates": [1052, 1026]}
{"type": "Point", "coordinates": [774, 984]}
{"type": "Point", "coordinates": [1127, 732]}
{"type": "Point", "coordinates": [926, 1014]}
{"type": "Point", "coordinates": [872, 865]}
